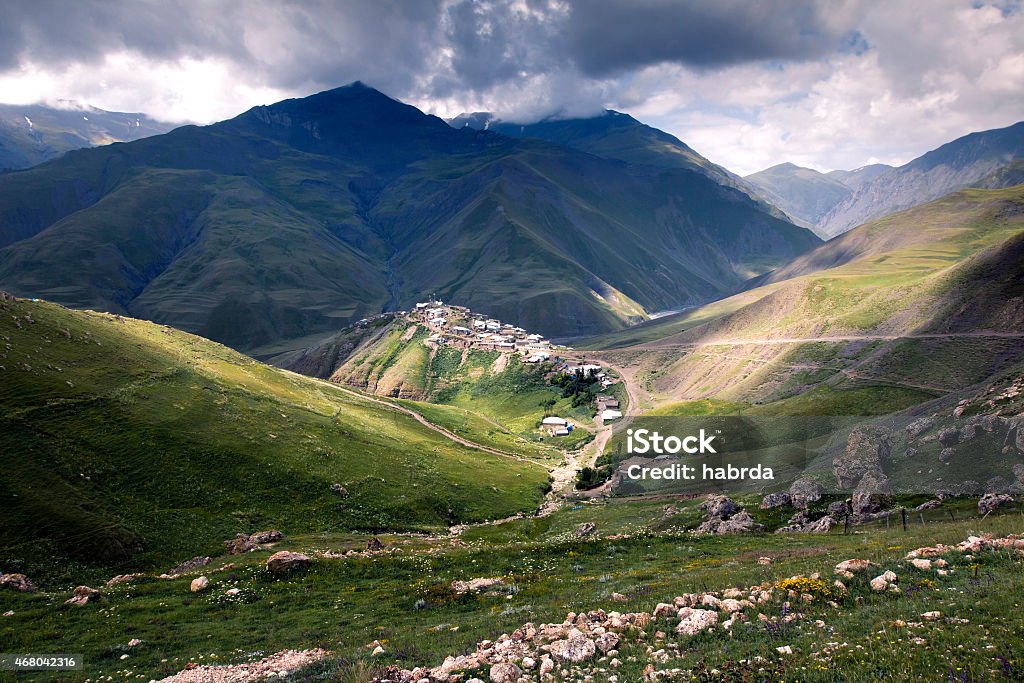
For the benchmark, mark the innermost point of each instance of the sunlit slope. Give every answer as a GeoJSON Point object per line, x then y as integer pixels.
{"type": "Point", "coordinates": [929, 300]}
{"type": "Point", "coordinates": [122, 437]}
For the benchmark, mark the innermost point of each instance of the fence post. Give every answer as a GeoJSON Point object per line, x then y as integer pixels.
{"type": "Point", "coordinates": [846, 524]}
{"type": "Point", "coordinates": [903, 514]}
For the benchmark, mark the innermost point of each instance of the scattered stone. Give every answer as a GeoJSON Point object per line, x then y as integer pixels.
{"type": "Point", "coordinates": [854, 566]}
{"type": "Point", "coordinates": [18, 582]}
{"type": "Point", "coordinates": [949, 436]}
{"type": "Point", "coordinates": [243, 543]}
{"type": "Point", "coordinates": [884, 581]}
{"type": "Point", "coordinates": [619, 597]}
{"type": "Point", "coordinates": [270, 667]}
{"type": "Point", "coordinates": [932, 616]}
{"type": "Point", "coordinates": [83, 595]}
{"type": "Point", "coordinates": [285, 561]}
{"type": "Point", "coordinates": [922, 564]}
{"type": "Point", "coordinates": [199, 584]}
{"type": "Point", "coordinates": [576, 647]}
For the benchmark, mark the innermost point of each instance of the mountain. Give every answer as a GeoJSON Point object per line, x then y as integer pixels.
{"type": "Point", "coordinates": [272, 229]}
{"type": "Point", "coordinates": [614, 135]}
{"type": "Point", "coordinates": [957, 164]}
{"type": "Point", "coordinates": [803, 193]}
{"type": "Point", "coordinates": [896, 312]}
{"type": "Point", "coordinates": [129, 444]}
{"type": "Point", "coordinates": [858, 176]}
{"type": "Point", "coordinates": [33, 133]}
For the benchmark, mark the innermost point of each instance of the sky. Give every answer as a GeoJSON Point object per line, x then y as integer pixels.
{"type": "Point", "coordinates": [821, 83]}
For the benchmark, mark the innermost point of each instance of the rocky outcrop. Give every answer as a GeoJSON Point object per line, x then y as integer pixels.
{"type": "Point", "coordinates": [199, 584]}
{"type": "Point", "coordinates": [867, 450]}
{"type": "Point", "coordinates": [190, 565]}
{"type": "Point", "coordinates": [873, 494]}
{"type": "Point", "coordinates": [993, 501]}
{"type": "Point", "coordinates": [723, 516]}
{"type": "Point", "coordinates": [805, 491]}
{"type": "Point", "coordinates": [775, 500]}
{"type": "Point", "coordinates": [285, 562]}
{"type": "Point", "coordinates": [476, 585]}
{"type": "Point", "coordinates": [584, 530]}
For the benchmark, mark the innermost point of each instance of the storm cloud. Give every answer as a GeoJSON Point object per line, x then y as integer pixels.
{"type": "Point", "coordinates": [829, 83]}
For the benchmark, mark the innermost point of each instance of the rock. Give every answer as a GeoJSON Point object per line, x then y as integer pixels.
{"type": "Point", "coordinates": [805, 491]}
{"type": "Point", "coordinates": [134, 642]}
{"type": "Point", "coordinates": [199, 584]}
{"type": "Point", "coordinates": [853, 566]}
{"type": "Point", "coordinates": [838, 509]}
{"type": "Point", "coordinates": [764, 561]}
{"type": "Point", "coordinates": [867, 450]}
{"type": "Point", "coordinates": [18, 582]}
{"type": "Point", "coordinates": [339, 490]}
{"type": "Point", "coordinates": [83, 595]}
{"type": "Point", "coordinates": [949, 436]}
{"type": "Point", "coordinates": [123, 578]}
{"type": "Point", "coordinates": [240, 544]}
{"type": "Point", "coordinates": [928, 505]}
{"type": "Point", "coordinates": [946, 454]}
{"type": "Point", "coordinates": [269, 536]}
{"type": "Point", "coordinates": [883, 582]}
{"type": "Point", "coordinates": [189, 565]}
{"type": "Point", "coordinates": [1018, 473]}
{"type": "Point", "coordinates": [993, 501]}
{"type": "Point", "coordinates": [377, 651]}
{"type": "Point", "coordinates": [607, 641]}
{"type": "Point", "coordinates": [619, 597]}
{"type": "Point", "coordinates": [968, 432]}
{"type": "Point", "coordinates": [693, 621]}
{"type": "Point", "coordinates": [585, 529]}
{"type": "Point", "coordinates": [873, 494]}
{"type": "Point", "coordinates": [546, 667]}
{"type": "Point", "coordinates": [664, 610]}
{"type": "Point", "coordinates": [997, 484]}
{"type": "Point", "coordinates": [932, 616]}
{"type": "Point", "coordinates": [719, 507]}
{"type": "Point", "coordinates": [922, 564]}
{"type": "Point", "coordinates": [919, 426]}
{"type": "Point", "coordinates": [970, 488]}
{"type": "Point", "coordinates": [775, 500]}
{"type": "Point", "coordinates": [374, 544]}
{"type": "Point", "coordinates": [476, 585]}
{"type": "Point", "coordinates": [576, 647]}
{"type": "Point", "coordinates": [505, 673]}
{"type": "Point", "coordinates": [285, 561]}
{"type": "Point", "coordinates": [739, 523]}
{"type": "Point", "coordinates": [820, 526]}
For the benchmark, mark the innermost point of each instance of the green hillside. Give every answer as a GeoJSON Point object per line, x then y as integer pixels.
{"type": "Point", "coordinates": [292, 220]}
{"type": "Point", "coordinates": [129, 444]}
{"type": "Point", "coordinates": [910, 307]}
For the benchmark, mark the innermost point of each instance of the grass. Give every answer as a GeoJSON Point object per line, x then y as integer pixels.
{"type": "Point", "coordinates": [128, 444]}
{"type": "Point", "coordinates": [345, 604]}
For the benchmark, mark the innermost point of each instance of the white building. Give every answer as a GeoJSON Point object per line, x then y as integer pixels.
{"type": "Point", "coordinates": [554, 421]}
{"type": "Point", "coordinates": [609, 415]}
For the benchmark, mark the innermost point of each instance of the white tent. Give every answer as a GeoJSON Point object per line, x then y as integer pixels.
{"type": "Point", "coordinates": [554, 420]}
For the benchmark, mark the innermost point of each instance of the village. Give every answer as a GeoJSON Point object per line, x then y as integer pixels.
{"type": "Point", "coordinates": [459, 327]}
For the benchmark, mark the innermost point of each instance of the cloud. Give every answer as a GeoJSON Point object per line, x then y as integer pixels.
{"type": "Point", "coordinates": [825, 83]}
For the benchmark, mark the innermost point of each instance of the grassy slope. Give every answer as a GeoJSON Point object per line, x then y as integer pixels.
{"type": "Point", "coordinates": [345, 604]}
{"type": "Point", "coordinates": [952, 266]}
{"type": "Point", "coordinates": [152, 437]}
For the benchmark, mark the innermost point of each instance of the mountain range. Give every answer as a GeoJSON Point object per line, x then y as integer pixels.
{"type": "Point", "coordinates": [285, 223]}
{"type": "Point", "coordinates": [34, 133]}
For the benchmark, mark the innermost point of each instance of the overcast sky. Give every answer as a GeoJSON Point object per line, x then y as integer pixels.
{"type": "Point", "coordinates": [827, 83]}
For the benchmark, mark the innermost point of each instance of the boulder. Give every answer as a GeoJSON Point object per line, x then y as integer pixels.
{"type": "Point", "coordinates": [854, 566]}
{"type": "Point", "coordinates": [83, 595]}
{"type": "Point", "coordinates": [374, 544]}
{"type": "Point", "coordinates": [993, 501]}
{"type": "Point", "coordinates": [719, 507]}
{"type": "Point", "coordinates": [585, 529]}
{"type": "Point", "coordinates": [805, 491]}
{"type": "Point", "coordinates": [269, 536]}
{"type": "Point", "coordinates": [867, 450]}
{"type": "Point", "coordinates": [503, 672]}
{"type": "Point", "coordinates": [928, 505]}
{"type": "Point", "coordinates": [949, 436]}
{"type": "Point", "coordinates": [240, 544]}
{"type": "Point", "coordinates": [285, 561]}
{"type": "Point", "coordinates": [575, 647]}
{"type": "Point", "coordinates": [18, 582]}
{"type": "Point", "coordinates": [476, 585]}
{"type": "Point", "coordinates": [775, 500]}
{"type": "Point", "coordinates": [199, 584]}
{"type": "Point", "coordinates": [919, 426]}
{"type": "Point", "coordinates": [946, 454]}
{"type": "Point", "coordinates": [693, 621]}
